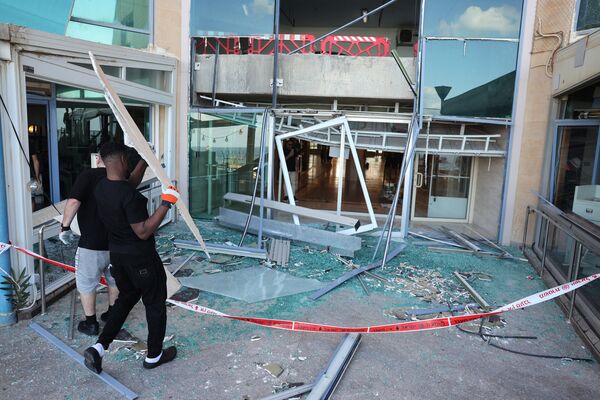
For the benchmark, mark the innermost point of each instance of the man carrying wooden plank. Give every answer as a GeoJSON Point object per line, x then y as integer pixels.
{"type": "Point", "coordinates": [136, 265]}
{"type": "Point", "coordinates": [92, 258]}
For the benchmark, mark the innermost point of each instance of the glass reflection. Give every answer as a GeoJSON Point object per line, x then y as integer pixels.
{"type": "Point", "coordinates": [469, 78]}
{"type": "Point", "coordinates": [101, 34]}
{"type": "Point", "coordinates": [588, 16]}
{"type": "Point", "coordinates": [224, 151]}
{"type": "Point", "coordinates": [232, 17]}
{"type": "Point", "coordinates": [43, 15]}
{"type": "Point", "coordinates": [473, 18]}
{"type": "Point", "coordinates": [131, 13]}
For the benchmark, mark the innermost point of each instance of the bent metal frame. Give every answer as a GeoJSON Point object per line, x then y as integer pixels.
{"type": "Point", "coordinates": [342, 122]}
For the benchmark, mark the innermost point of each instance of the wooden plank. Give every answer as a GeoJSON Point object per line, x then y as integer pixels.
{"type": "Point", "coordinates": [297, 210]}
{"type": "Point", "coordinates": [136, 139]}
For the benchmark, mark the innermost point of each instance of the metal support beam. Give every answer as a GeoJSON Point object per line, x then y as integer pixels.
{"type": "Point", "coordinates": [337, 243]}
{"type": "Point", "coordinates": [109, 380]}
{"type": "Point", "coordinates": [301, 211]}
{"type": "Point", "coordinates": [326, 385]}
{"type": "Point", "coordinates": [476, 296]}
{"type": "Point", "coordinates": [222, 249]}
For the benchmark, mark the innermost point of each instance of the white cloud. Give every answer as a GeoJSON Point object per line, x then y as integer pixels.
{"type": "Point", "coordinates": [263, 7]}
{"type": "Point", "coordinates": [496, 20]}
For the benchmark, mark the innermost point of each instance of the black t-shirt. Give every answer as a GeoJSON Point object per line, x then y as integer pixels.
{"type": "Point", "coordinates": [93, 233]}
{"type": "Point", "coordinates": [119, 205]}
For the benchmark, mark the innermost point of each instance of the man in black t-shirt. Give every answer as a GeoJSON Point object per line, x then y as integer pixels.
{"type": "Point", "coordinates": [92, 258]}
{"type": "Point", "coordinates": [136, 266]}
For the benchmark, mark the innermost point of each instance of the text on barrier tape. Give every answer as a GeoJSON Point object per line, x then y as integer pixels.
{"type": "Point", "coordinates": [411, 326]}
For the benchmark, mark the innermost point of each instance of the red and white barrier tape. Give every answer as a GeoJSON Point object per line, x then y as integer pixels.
{"type": "Point", "coordinates": [411, 326]}
{"type": "Point", "coordinates": [70, 268]}
{"type": "Point", "coordinates": [424, 325]}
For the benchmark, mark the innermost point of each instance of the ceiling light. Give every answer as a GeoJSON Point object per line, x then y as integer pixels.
{"type": "Point", "coordinates": [365, 16]}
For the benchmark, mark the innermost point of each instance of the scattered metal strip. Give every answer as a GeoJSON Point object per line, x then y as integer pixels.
{"type": "Point", "coordinates": [434, 240]}
{"type": "Point", "coordinates": [476, 296]}
{"type": "Point", "coordinates": [109, 380]}
{"type": "Point", "coordinates": [222, 249]}
{"type": "Point", "coordinates": [326, 385]}
{"type": "Point", "coordinates": [462, 240]}
{"type": "Point", "coordinates": [350, 274]}
{"type": "Point", "coordinates": [297, 210]}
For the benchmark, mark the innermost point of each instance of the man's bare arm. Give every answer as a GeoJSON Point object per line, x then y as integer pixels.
{"type": "Point", "coordinates": [146, 228]}
{"type": "Point", "coordinates": [138, 173]}
{"type": "Point", "coordinates": [71, 209]}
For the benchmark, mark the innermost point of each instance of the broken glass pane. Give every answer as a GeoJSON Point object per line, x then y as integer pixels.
{"type": "Point", "coordinates": [252, 284]}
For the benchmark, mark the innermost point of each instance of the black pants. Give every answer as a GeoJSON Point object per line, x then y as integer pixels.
{"type": "Point", "coordinates": [138, 277]}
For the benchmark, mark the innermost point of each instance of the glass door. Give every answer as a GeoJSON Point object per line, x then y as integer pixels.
{"type": "Point", "coordinates": [442, 187]}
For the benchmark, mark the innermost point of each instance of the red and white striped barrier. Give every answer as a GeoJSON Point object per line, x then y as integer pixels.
{"type": "Point", "coordinates": [411, 326]}
{"type": "Point", "coordinates": [287, 44]}
{"type": "Point", "coordinates": [355, 46]}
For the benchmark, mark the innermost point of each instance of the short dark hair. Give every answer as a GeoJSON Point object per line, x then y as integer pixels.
{"type": "Point", "coordinates": [112, 149]}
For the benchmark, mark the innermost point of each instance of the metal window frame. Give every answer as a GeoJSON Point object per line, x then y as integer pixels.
{"type": "Point", "coordinates": [346, 135]}
{"type": "Point", "coordinates": [562, 123]}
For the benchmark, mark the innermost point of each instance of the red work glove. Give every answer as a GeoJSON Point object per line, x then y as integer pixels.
{"type": "Point", "coordinates": [170, 195]}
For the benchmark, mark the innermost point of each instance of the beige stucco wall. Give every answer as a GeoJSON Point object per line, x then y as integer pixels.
{"type": "Point", "coordinates": [168, 39]}
{"type": "Point", "coordinates": [555, 16]}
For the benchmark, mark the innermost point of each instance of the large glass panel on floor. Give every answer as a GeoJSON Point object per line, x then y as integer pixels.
{"type": "Point", "coordinates": [443, 184]}
{"type": "Point", "coordinates": [577, 164]}
{"type": "Point", "coordinates": [473, 18]}
{"type": "Point", "coordinates": [223, 151]}
{"type": "Point", "coordinates": [231, 17]}
{"type": "Point", "coordinates": [82, 130]}
{"type": "Point", "coordinates": [42, 15]}
{"type": "Point", "coordinates": [469, 78]}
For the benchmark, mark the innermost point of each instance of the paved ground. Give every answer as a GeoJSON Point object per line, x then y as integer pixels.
{"type": "Point", "coordinates": [218, 360]}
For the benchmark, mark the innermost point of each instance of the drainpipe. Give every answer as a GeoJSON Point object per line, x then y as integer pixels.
{"type": "Point", "coordinates": [7, 316]}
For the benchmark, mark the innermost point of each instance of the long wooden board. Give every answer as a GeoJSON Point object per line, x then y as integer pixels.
{"type": "Point", "coordinates": [134, 138]}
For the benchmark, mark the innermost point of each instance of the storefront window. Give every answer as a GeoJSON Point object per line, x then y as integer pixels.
{"type": "Point", "coordinates": [473, 18]}
{"type": "Point", "coordinates": [469, 78]}
{"type": "Point", "coordinates": [43, 15]}
{"type": "Point", "coordinates": [577, 166]}
{"type": "Point", "coordinates": [148, 77]}
{"type": "Point", "coordinates": [584, 103]}
{"type": "Point", "coordinates": [232, 17]}
{"type": "Point", "coordinates": [223, 151]}
{"type": "Point", "coordinates": [110, 36]}
{"type": "Point", "coordinates": [82, 130]}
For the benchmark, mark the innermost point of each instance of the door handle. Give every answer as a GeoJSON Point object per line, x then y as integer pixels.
{"type": "Point", "coordinates": [419, 182]}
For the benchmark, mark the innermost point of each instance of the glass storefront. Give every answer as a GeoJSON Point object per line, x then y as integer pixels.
{"type": "Point", "coordinates": [43, 15]}
{"type": "Point", "coordinates": [82, 130]}
{"type": "Point", "coordinates": [223, 154]}
{"type": "Point", "coordinates": [470, 57]}
{"type": "Point", "coordinates": [576, 164]}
